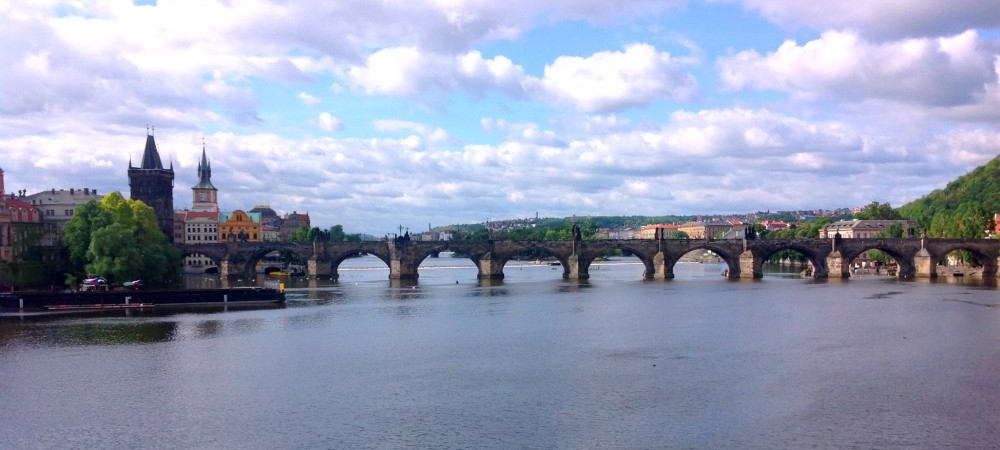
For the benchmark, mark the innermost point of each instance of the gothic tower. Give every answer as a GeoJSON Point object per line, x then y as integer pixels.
{"type": "Point", "coordinates": [204, 196]}
{"type": "Point", "coordinates": [154, 185]}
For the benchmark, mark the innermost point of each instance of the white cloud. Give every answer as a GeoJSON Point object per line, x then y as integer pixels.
{"type": "Point", "coordinates": [308, 99]}
{"type": "Point", "coordinates": [726, 160]}
{"type": "Point", "coordinates": [570, 127]}
{"type": "Point", "coordinates": [608, 81]}
{"type": "Point", "coordinates": [842, 65]}
{"type": "Point", "coordinates": [394, 71]}
{"type": "Point", "coordinates": [328, 122]}
{"type": "Point", "coordinates": [604, 81]}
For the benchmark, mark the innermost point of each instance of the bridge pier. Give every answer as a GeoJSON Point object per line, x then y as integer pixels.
{"type": "Point", "coordinates": [489, 269]}
{"type": "Point", "coordinates": [924, 264]}
{"type": "Point", "coordinates": [317, 268]}
{"type": "Point", "coordinates": [662, 269]}
{"type": "Point", "coordinates": [574, 269]}
{"type": "Point", "coordinates": [225, 271]}
{"type": "Point", "coordinates": [403, 261]}
{"type": "Point", "coordinates": [837, 267]}
{"type": "Point", "coordinates": [748, 267]}
{"type": "Point", "coordinates": [402, 269]}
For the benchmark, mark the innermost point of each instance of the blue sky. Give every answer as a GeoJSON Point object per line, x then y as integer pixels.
{"type": "Point", "coordinates": [375, 114]}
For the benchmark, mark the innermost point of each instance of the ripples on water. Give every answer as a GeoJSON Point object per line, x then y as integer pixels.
{"type": "Point", "coordinates": [531, 362]}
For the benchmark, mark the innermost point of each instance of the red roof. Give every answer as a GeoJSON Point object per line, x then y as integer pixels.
{"type": "Point", "coordinates": [191, 215]}
{"type": "Point", "coordinates": [18, 204]}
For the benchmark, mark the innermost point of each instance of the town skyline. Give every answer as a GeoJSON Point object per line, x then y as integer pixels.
{"type": "Point", "coordinates": [373, 116]}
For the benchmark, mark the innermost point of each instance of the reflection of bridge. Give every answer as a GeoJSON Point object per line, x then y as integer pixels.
{"type": "Point", "coordinates": [745, 258]}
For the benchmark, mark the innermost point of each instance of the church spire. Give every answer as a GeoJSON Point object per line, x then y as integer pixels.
{"type": "Point", "coordinates": [204, 171]}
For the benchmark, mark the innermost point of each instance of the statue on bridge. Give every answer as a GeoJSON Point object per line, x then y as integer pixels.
{"type": "Point", "coordinates": [577, 235]}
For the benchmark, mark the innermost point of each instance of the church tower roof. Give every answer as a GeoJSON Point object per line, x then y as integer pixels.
{"type": "Point", "coordinates": [204, 172]}
{"type": "Point", "coordinates": [150, 157]}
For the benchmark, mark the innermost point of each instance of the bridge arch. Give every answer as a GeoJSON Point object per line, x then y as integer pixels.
{"type": "Point", "coordinates": [729, 251]}
{"type": "Point", "coordinates": [816, 257]}
{"type": "Point", "coordinates": [471, 252]}
{"type": "Point", "coordinates": [986, 257]}
{"type": "Point", "coordinates": [635, 247]}
{"type": "Point", "coordinates": [904, 261]}
{"type": "Point", "coordinates": [337, 256]}
{"type": "Point", "coordinates": [500, 256]}
{"type": "Point", "coordinates": [253, 257]}
{"type": "Point", "coordinates": [216, 259]}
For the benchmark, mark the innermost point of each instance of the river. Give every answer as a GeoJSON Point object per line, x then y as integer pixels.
{"type": "Point", "coordinates": [533, 362]}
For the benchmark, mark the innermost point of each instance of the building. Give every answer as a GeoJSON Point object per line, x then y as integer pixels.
{"type": "Point", "coordinates": [270, 222]}
{"type": "Point", "coordinates": [775, 225]}
{"type": "Point", "coordinates": [707, 230]}
{"type": "Point", "coordinates": [667, 230]}
{"type": "Point", "coordinates": [204, 195]}
{"type": "Point", "coordinates": [154, 186]}
{"type": "Point", "coordinates": [857, 229]}
{"type": "Point", "coordinates": [18, 219]}
{"type": "Point", "coordinates": [200, 225]}
{"type": "Point", "coordinates": [292, 222]}
{"type": "Point", "coordinates": [239, 228]}
{"type": "Point", "coordinates": [57, 207]}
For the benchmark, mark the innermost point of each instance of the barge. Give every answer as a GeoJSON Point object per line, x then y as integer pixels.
{"type": "Point", "coordinates": [127, 299]}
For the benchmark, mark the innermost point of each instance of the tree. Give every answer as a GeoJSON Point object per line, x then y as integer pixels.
{"type": "Point", "coordinates": [878, 211]}
{"type": "Point", "coordinates": [77, 233]}
{"type": "Point", "coordinates": [337, 233]}
{"type": "Point", "coordinates": [114, 253]}
{"type": "Point", "coordinates": [120, 239]}
{"type": "Point", "coordinates": [301, 234]}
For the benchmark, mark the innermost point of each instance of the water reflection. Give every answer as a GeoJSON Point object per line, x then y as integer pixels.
{"type": "Point", "coordinates": [490, 282]}
{"type": "Point", "coordinates": [570, 286]}
{"type": "Point", "coordinates": [68, 332]}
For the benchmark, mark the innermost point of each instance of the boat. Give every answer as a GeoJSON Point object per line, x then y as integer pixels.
{"type": "Point", "coordinates": [128, 299]}
{"type": "Point", "coordinates": [98, 306]}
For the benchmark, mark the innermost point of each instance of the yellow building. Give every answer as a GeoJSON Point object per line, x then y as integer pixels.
{"type": "Point", "coordinates": [668, 230]}
{"type": "Point", "coordinates": [708, 230]}
{"type": "Point", "coordinates": [239, 228]}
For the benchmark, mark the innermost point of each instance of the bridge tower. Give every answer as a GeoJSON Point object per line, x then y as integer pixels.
{"type": "Point", "coordinates": [154, 185]}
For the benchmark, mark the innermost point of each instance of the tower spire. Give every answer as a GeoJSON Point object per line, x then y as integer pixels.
{"type": "Point", "coordinates": [204, 171]}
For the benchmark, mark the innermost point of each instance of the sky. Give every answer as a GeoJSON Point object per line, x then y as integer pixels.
{"type": "Point", "coordinates": [380, 114]}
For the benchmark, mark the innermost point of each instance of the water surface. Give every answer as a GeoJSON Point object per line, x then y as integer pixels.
{"type": "Point", "coordinates": [531, 362]}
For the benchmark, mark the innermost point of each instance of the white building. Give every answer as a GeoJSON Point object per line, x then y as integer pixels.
{"type": "Point", "coordinates": [57, 207]}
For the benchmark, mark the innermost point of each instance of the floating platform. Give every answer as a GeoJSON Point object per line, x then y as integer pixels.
{"type": "Point", "coordinates": [124, 299]}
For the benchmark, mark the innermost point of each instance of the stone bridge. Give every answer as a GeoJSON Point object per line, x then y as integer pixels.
{"type": "Point", "coordinates": [916, 257]}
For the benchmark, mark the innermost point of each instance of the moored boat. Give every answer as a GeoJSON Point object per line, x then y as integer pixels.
{"type": "Point", "coordinates": [124, 299]}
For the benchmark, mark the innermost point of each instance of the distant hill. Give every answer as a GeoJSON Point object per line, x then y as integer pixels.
{"type": "Point", "coordinates": [964, 208]}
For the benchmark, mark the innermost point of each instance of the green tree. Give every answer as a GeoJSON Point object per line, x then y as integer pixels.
{"type": "Point", "coordinates": [337, 233]}
{"type": "Point", "coordinates": [960, 209]}
{"type": "Point", "coordinates": [120, 239]}
{"type": "Point", "coordinates": [114, 253]}
{"type": "Point", "coordinates": [878, 211]}
{"type": "Point", "coordinates": [77, 233]}
{"type": "Point", "coordinates": [301, 234]}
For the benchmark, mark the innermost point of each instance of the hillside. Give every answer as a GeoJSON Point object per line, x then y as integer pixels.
{"type": "Point", "coordinates": [963, 208]}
